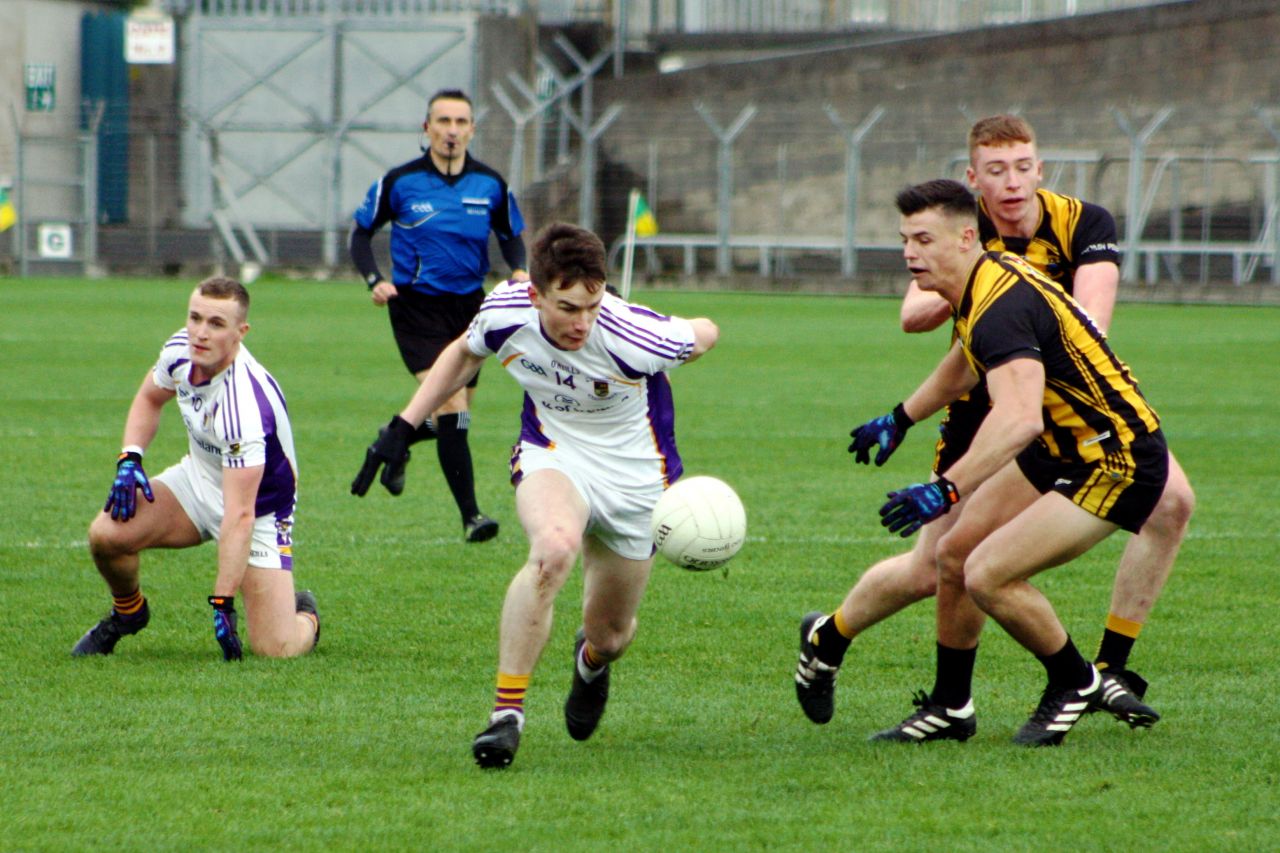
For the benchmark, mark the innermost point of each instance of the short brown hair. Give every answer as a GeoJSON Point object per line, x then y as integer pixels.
{"type": "Point", "coordinates": [448, 95]}
{"type": "Point", "coordinates": [221, 287]}
{"type": "Point", "coordinates": [1000, 130]}
{"type": "Point", "coordinates": [566, 255]}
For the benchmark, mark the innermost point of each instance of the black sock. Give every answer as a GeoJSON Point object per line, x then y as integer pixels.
{"type": "Point", "coordinates": [1067, 668]}
{"type": "Point", "coordinates": [829, 643]}
{"type": "Point", "coordinates": [1113, 651]}
{"type": "Point", "coordinates": [953, 683]}
{"type": "Point", "coordinates": [455, 461]}
{"type": "Point", "coordinates": [425, 432]}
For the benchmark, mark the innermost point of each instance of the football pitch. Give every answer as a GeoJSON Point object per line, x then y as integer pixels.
{"type": "Point", "coordinates": [366, 743]}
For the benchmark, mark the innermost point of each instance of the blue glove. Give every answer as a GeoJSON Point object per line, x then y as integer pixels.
{"type": "Point", "coordinates": [908, 510]}
{"type": "Point", "coordinates": [887, 431]}
{"type": "Point", "coordinates": [224, 626]}
{"type": "Point", "coordinates": [122, 502]}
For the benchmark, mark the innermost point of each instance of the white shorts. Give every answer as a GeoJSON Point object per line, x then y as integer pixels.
{"type": "Point", "coordinates": [201, 499]}
{"type": "Point", "coordinates": [619, 516]}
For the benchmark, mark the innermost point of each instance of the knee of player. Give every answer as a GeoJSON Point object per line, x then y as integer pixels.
{"type": "Point", "coordinates": [610, 641]}
{"type": "Point", "coordinates": [553, 557]}
{"type": "Point", "coordinates": [1176, 505]}
{"type": "Point", "coordinates": [949, 559]}
{"type": "Point", "coordinates": [979, 583]}
{"type": "Point", "coordinates": [109, 538]}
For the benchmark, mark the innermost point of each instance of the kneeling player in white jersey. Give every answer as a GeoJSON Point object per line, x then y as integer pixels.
{"type": "Point", "coordinates": [596, 449]}
{"type": "Point", "coordinates": [237, 485]}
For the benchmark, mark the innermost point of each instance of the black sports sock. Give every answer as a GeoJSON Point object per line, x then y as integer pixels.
{"type": "Point", "coordinates": [426, 431]}
{"type": "Point", "coordinates": [455, 461]}
{"type": "Point", "coordinates": [953, 683]}
{"type": "Point", "coordinates": [829, 643]}
{"type": "Point", "coordinates": [1067, 668]}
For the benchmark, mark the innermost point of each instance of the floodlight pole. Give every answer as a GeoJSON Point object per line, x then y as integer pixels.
{"type": "Point", "coordinates": [1272, 201]}
{"type": "Point", "coordinates": [853, 137]}
{"type": "Point", "coordinates": [724, 162]}
{"type": "Point", "coordinates": [1135, 216]}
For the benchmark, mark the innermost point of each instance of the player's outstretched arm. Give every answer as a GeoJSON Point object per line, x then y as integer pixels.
{"type": "Point", "coordinates": [1095, 289]}
{"type": "Point", "coordinates": [705, 336]}
{"type": "Point", "coordinates": [140, 428]}
{"type": "Point", "coordinates": [235, 536]}
{"type": "Point", "coordinates": [451, 371]}
{"type": "Point", "coordinates": [921, 310]}
{"type": "Point", "coordinates": [1015, 420]}
{"type": "Point", "coordinates": [949, 381]}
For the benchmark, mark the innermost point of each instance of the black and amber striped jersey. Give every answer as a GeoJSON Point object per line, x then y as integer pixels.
{"type": "Point", "coordinates": [1092, 405]}
{"type": "Point", "coordinates": [1070, 233]}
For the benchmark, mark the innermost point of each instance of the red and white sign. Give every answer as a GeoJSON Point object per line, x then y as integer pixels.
{"type": "Point", "coordinates": [149, 39]}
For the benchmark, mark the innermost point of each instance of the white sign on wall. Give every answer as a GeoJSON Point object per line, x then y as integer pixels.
{"type": "Point", "coordinates": [54, 240]}
{"type": "Point", "coordinates": [149, 39]}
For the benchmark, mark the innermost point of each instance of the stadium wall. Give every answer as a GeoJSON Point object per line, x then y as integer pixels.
{"type": "Point", "coordinates": [1077, 80]}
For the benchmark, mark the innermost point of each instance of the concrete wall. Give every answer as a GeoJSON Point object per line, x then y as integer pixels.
{"type": "Point", "coordinates": [1212, 61]}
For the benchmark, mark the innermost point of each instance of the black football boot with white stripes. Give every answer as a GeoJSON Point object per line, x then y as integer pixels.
{"type": "Point", "coordinates": [932, 721]}
{"type": "Point", "coordinates": [1122, 693]}
{"type": "Point", "coordinates": [1060, 708]}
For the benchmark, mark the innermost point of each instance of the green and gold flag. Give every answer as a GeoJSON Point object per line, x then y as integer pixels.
{"type": "Point", "coordinates": [8, 215]}
{"type": "Point", "coordinates": [646, 222]}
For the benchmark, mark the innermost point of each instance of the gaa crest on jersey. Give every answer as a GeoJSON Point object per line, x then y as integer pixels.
{"type": "Point", "coordinates": [234, 449]}
{"type": "Point", "coordinates": [601, 388]}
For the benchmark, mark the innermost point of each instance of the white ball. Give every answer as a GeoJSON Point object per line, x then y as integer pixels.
{"type": "Point", "coordinates": [699, 523]}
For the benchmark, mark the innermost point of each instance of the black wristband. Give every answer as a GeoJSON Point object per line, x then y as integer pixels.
{"type": "Point", "coordinates": [129, 456]}
{"type": "Point", "coordinates": [901, 418]}
{"type": "Point", "coordinates": [225, 603]}
{"type": "Point", "coordinates": [949, 491]}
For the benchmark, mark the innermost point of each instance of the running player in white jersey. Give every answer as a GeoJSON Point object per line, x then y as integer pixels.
{"type": "Point", "coordinates": [237, 485]}
{"type": "Point", "coordinates": [596, 449]}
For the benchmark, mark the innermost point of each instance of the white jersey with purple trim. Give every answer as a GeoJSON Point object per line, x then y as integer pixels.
{"type": "Point", "coordinates": [609, 403]}
{"type": "Point", "coordinates": [237, 419]}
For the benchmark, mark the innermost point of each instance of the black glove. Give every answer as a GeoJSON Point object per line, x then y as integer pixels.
{"type": "Point", "coordinates": [886, 431]}
{"type": "Point", "coordinates": [390, 449]}
{"type": "Point", "coordinates": [224, 626]}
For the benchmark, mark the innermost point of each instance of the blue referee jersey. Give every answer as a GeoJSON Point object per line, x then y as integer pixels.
{"type": "Point", "coordinates": [441, 224]}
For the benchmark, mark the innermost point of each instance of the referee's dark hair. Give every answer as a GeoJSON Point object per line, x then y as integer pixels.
{"type": "Point", "coordinates": [952, 196]}
{"type": "Point", "coordinates": [449, 95]}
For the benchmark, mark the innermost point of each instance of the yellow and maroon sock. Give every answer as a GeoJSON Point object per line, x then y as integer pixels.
{"type": "Point", "coordinates": [1117, 642]}
{"type": "Point", "coordinates": [130, 605]}
{"type": "Point", "coordinates": [510, 693]}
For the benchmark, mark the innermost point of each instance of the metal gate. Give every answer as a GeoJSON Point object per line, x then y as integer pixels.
{"type": "Point", "coordinates": [289, 119]}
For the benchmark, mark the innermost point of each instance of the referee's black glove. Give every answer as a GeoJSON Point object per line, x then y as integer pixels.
{"type": "Point", "coordinates": [390, 451]}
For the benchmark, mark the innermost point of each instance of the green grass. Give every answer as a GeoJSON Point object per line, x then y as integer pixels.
{"type": "Point", "coordinates": [365, 745]}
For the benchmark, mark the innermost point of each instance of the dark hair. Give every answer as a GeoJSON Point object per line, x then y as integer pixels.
{"type": "Point", "coordinates": [566, 255]}
{"type": "Point", "coordinates": [221, 287]}
{"type": "Point", "coordinates": [448, 95]}
{"type": "Point", "coordinates": [952, 196]}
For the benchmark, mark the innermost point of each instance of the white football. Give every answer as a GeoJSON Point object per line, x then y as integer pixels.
{"type": "Point", "coordinates": [699, 523]}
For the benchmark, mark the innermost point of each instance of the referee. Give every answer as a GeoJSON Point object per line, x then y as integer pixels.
{"type": "Point", "coordinates": [442, 207]}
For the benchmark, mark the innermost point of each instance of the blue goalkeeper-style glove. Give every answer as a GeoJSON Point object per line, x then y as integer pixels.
{"type": "Point", "coordinates": [224, 626]}
{"type": "Point", "coordinates": [122, 502]}
{"type": "Point", "coordinates": [389, 449]}
{"type": "Point", "coordinates": [887, 431]}
{"type": "Point", "coordinates": [911, 508]}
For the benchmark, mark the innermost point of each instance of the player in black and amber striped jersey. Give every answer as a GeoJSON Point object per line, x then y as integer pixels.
{"type": "Point", "coordinates": [1074, 243]}
{"type": "Point", "coordinates": [1069, 452]}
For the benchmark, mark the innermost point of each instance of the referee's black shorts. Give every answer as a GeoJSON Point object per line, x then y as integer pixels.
{"type": "Point", "coordinates": [424, 324]}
